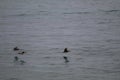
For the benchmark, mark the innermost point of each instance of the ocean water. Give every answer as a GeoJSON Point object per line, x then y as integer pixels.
{"type": "Point", "coordinates": [90, 29]}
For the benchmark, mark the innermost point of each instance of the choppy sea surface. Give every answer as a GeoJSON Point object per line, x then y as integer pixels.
{"type": "Point", "coordinates": [90, 29]}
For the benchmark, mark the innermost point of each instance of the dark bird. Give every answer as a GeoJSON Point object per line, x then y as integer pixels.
{"type": "Point", "coordinates": [23, 52]}
{"type": "Point", "coordinates": [16, 58]}
{"type": "Point", "coordinates": [16, 49]}
{"type": "Point", "coordinates": [22, 62]}
{"type": "Point", "coordinates": [66, 50]}
{"type": "Point", "coordinates": [66, 59]}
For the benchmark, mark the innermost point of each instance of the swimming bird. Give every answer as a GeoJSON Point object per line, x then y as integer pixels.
{"type": "Point", "coordinates": [22, 62]}
{"type": "Point", "coordinates": [66, 50]}
{"type": "Point", "coordinates": [16, 49]}
{"type": "Point", "coordinates": [23, 52]}
{"type": "Point", "coordinates": [16, 58]}
{"type": "Point", "coordinates": [66, 59]}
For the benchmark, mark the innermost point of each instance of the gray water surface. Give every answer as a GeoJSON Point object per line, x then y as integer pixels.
{"type": "Point", "coordinates": [90, 29]}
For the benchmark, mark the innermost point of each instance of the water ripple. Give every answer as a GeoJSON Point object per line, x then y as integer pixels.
{"type": "Point", "coordinates": [76, 13]}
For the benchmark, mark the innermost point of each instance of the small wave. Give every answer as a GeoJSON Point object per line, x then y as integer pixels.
{"type": "Point", "coordinates": [13, 79]}
{"type": "Point", "coordinates": [76, 13]}
{"type": "Point", "coordinates": [113, 41]}
{"type": "Point", "coordinates": [103, 70]}
{"type": "Point", "coordinates": [27, 14]}
{"type": "Point", "coordinates": [16, 15]}
{"type": "Point", "coordinates": [103, 22]}
{"type": "Point", "coordinates": [109, 11]}
{"type": "Point", "coordinates": [113, 11]}
{"type": "Point", "coordinates": [23, 14]}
